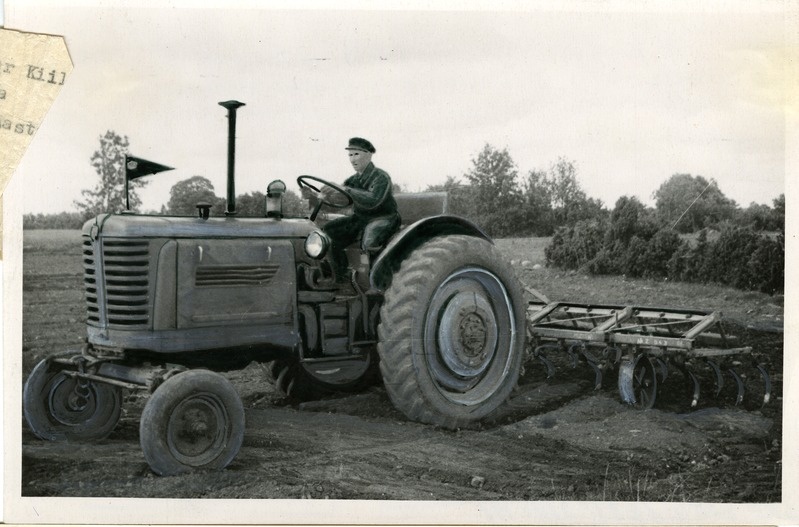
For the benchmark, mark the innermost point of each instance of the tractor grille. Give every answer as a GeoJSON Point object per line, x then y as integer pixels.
{"type": "Point", "coordinates": [231, 275]}
{"type": "Point", "coordinates": [125, 276]}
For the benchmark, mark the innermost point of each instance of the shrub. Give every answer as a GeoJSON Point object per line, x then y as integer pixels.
{"type": "Point", "coordinates": [575, 246]}
{"type": "Point", "coordinates": [736, 256]}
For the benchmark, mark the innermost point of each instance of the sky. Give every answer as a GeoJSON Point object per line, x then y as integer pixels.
{"type": "Point", "coordinates": [630, 94]}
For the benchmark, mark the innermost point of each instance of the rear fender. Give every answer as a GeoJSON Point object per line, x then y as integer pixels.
{"type": "Point", "coordinates": [412, 237]}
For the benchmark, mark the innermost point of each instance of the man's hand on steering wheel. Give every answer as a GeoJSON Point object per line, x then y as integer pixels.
{"type": "Point", "coordinates": [325, 192]}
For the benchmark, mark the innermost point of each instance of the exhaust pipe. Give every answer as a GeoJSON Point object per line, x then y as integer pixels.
{"type": "Point", "coordinates": [232, 106]}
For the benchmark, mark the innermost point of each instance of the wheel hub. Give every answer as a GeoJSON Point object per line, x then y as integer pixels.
{"type": "Point", "coordinates": [197, 429]}
{"type": "Point", "coordinates": [473, 334]}
{"type": "Point", "coordinates": [70, 404]}
{"type": "Point", "coordinates": [467, 334]}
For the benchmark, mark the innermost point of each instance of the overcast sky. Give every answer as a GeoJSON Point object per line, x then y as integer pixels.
{"type": "Point", "coordinates": [631, 95]}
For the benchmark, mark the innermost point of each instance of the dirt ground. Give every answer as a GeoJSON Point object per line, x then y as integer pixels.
{"type": "Point", "coordinates": [557, 439]}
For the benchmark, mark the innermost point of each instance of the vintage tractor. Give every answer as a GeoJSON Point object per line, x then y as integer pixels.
{"type": "Point", "coordinates": [174, 301]}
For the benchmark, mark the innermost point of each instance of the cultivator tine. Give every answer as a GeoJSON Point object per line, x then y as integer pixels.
{"type": "Point", "coordinates": [538, 353]}
{"type": "Point", "coordinates": [740, 397]}
{"type": "Point", "coordinates": [719, 376]}
{"type": "Point", "coordinates": [766, 382]}
{"type": "Point", "coordinates": [573, 354]}
{"type": "Point", "coordinates": [594, 363]}
{"type": "Point", "coordinates": [695, 397]}
{"type": "Point", "coordinates": [688, 373]}
{"type": "Point", "coordinates": [663, 369]}
{"type": "Point", "coordinates": [549, 366]}
{"type": "Point", "coordinates": [616, 354]}
{"type": "Point", "coordinates": [597, 374]}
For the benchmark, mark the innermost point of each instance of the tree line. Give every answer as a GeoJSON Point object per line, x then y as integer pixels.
{"type": "Point", "coordinates": [506, 204]}
{"type": "Point", "coordinates": [631, 239]}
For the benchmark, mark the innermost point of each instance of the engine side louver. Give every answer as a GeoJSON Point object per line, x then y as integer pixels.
{"type": "Point", "coordinates": [233, 275]}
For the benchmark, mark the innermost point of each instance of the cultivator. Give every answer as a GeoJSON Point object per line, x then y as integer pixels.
{"type": "Point", "coordinates": [645, 344]}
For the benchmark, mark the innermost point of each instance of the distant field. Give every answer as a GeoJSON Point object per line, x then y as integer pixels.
{"type": "Point", "coordinates": [43, 240]}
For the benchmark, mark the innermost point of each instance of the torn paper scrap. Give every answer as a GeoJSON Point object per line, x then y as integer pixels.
{"type": "Point", "coordinates": [33, 69]}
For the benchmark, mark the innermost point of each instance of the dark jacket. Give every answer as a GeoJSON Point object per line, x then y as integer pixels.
{"type": "Point", "coordinates": [371, 192]}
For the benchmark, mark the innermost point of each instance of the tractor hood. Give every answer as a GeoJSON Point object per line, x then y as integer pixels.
{"type": "Point", "coordinates": [140, 226]}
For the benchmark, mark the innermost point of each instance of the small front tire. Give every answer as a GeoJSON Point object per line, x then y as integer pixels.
{"type": "Point", "coordinates": [59, 407]}
{"type": "Point", "coordinates": [194, 420]}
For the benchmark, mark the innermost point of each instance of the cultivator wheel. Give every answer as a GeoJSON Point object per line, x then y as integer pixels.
{"type": "Point", "coordinates": [638, 382]}
{"type": "Point", "coordinates": [646, 344]}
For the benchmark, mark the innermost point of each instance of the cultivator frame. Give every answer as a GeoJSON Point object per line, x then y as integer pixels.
{"type": "Point", "coordinates": [642, 342]}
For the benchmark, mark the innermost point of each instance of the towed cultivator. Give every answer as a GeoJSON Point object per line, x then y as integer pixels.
{"type": "Point", "coordinates": [645, 345]}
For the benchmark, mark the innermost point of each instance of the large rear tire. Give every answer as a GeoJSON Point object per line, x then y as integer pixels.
{"type": "Point", "coordinates": [452, 332]}
{"type": "Point", "coordinates": [194, 420]}
{"type": "Point", "coordinates": [62, 408]}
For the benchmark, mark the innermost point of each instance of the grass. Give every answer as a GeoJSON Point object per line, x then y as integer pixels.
{"type": "Point", "coordinates": [55, 240]}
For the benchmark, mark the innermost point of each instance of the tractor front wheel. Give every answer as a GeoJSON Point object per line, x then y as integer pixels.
{"type": "Point", "coordinates": [194, 420]}
{"type": "Point", "coordinates": [59, 407]}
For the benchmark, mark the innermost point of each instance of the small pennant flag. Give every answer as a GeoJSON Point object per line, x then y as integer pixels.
{"type": "Point", "coordinates": [136, 167]}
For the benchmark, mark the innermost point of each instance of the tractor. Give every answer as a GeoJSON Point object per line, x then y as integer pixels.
{"type": "Point", "coordinates": [438, 314]}
{"type": "Point", "coordinates": [174, 302]}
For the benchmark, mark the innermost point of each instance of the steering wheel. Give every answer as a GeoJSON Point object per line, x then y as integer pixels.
{"type": "Point", "coordinates": [322, 197]}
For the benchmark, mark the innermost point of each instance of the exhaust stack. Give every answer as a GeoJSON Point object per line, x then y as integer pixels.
{"type": "Point", "coordinates": [232, 106]}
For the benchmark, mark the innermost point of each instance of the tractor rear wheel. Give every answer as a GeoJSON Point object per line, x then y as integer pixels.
{"type": "Point", "coordinates": [452, 332]}
{"type": "Point", "coordinates": [59, 407]}
{"type": "Point", "coordinates": [194, 420]}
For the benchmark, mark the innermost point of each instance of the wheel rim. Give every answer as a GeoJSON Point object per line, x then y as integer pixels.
{"type": "Point", "coordinates": [469, 336]}
{"type": "Point", "coordinates": [644, 382]}
{"type": "Point", "coordinates": [71, 403]}
{"type": "Point", "coordinates": [198, 429]}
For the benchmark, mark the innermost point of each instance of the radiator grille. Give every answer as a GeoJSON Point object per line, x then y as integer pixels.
{"type": "Point", "coordinates": [231, 275]}
{"type": "Point", "coordinates": [126, 271]}
{"type": "Point", "coordinates": [117, 288]}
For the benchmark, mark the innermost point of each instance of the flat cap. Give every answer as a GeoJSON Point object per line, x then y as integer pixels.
{"type": "Point", "coordinates": [359, 143]}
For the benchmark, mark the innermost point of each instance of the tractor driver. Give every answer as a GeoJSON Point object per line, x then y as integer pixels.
{"type": "Point", "coordinates": [374, 218]}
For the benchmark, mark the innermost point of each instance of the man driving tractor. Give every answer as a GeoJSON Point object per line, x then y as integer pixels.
{"type": "Point", "coordinates": [374, 218]}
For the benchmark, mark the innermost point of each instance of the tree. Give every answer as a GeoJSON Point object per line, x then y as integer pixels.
{"type": "Point", "coordinates": [570, 203]}
{"type": "Point", "coordinates": [185, 195]}
{"type": "Point", "coordinates": [779, 212]}
{"type": "Point", "coordinates": [498, 204]}
{"type": "Point", "coordinates": [690, 203]}
{"type": "Point", "coordinates": [538, 203]}
{"type": "Point", "coordinates": [630, 218]}
{"type": "Point", "coordinates": [109, 193]}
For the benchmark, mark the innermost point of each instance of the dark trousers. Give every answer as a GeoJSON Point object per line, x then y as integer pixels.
{"type": "Point", "coordinates": [374, 233]}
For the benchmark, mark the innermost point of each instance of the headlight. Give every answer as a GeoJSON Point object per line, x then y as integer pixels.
{"type": "Point", "coordinates": [316, 244]}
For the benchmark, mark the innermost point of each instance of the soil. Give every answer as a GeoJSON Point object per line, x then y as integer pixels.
{"type": "Point", "coordinates": [556, 439]}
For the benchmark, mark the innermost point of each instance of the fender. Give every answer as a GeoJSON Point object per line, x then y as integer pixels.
{"type": "Point", "coordinates": [412, 237]}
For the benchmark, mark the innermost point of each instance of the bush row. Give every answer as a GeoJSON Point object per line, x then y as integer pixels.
{"type": "Point", "coordinates": [628, 244]}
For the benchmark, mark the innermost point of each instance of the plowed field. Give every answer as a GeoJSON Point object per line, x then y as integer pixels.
{"type": "Point", "coordinates": [558, 439]}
